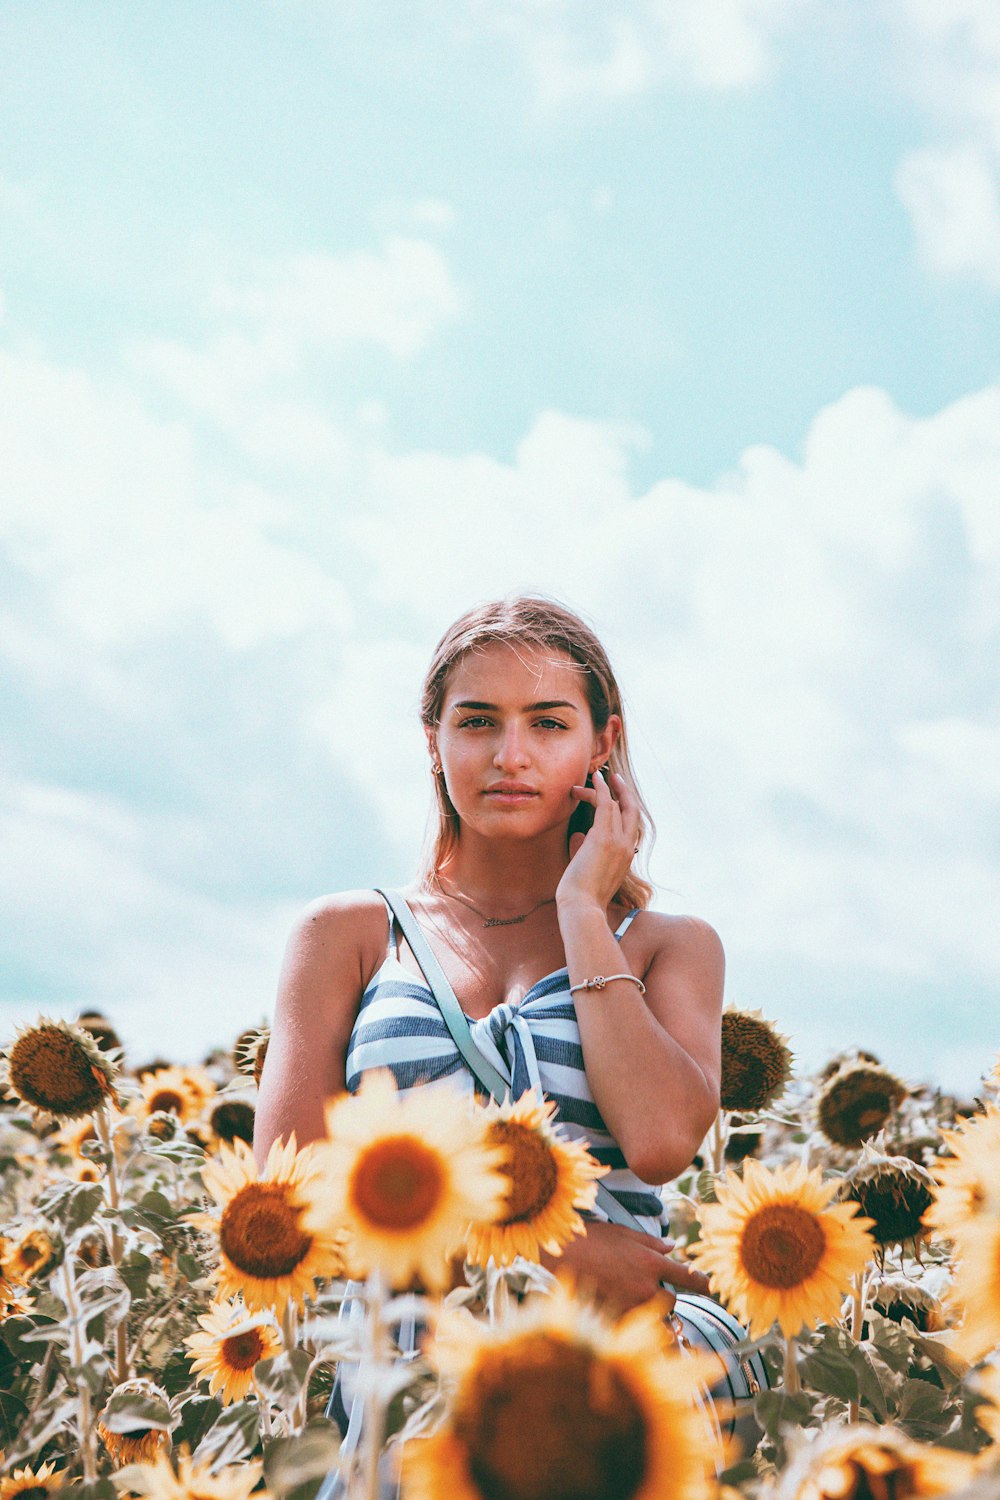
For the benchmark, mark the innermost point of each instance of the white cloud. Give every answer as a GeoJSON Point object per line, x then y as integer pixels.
{"type": "Point", "coordinates": [950, 61]}
{"type": "Point", "coordinates": [573, 51]}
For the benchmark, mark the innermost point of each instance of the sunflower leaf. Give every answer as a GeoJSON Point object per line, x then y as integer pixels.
{"type": "Point", "coordinates": [924, 1409]}
{"type": "Point", "coordinates": [232, 1437]}
{"type": "Point", "coordinates": [293, 1461]}
{"type": "Point", "coordinates": [197, 1415]}
{"type": "Point", "coordinates": [282, 1377]}
{"type": "Point", "coordinates": [130, 1411]}
{"type": "Point", "coordinates": [831, 1372]}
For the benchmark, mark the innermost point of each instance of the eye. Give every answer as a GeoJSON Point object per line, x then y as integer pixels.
{"type": "Point", "coordinates": [473, 722]}
{"type": "Point", "coordinates": [551, 724]}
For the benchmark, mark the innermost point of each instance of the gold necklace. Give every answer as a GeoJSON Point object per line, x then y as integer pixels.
{"type": "Point", "coordinates": [488, 921]}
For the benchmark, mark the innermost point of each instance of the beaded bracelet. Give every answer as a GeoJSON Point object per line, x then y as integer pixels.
{"type": "Point", "coordinates": [600, 980]}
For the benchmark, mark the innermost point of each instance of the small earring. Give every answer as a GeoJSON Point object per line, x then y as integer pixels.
{"type": "Point", "coordinates": [438, 770]}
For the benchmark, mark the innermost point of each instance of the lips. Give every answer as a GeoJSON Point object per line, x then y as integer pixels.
{"type": "Point", "coordinates": [511, 789]}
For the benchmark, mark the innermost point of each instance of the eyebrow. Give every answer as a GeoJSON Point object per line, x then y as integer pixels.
{"type": "Point", "coordinates": [529, 708]}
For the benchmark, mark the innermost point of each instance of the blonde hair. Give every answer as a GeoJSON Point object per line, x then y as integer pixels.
{"type": "Point", "coordinates": [530, 620]}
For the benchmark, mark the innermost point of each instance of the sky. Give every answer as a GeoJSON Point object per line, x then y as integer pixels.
{"type": "Point", "coordinates": [322, 321]}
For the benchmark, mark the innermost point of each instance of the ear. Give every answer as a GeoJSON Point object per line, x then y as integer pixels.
{"type": "Point", "coordinates": [430, 733]}
{"type": "Point", "coordinates": [605, 741]}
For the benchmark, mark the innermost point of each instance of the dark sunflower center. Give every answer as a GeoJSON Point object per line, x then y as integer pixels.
{"type": "Point", "coordinates": [232, 1120]}
{"type": "Point", "coordinates": [53, 1071]}
{"type": "Point", "coordinates": [782, 1245]}
{"type": "Point", "coordinates": [530, 1166]}
{"type": "Point", "coordinates": [167, 1100]}
{"type": "Point", "coordinates": [259, 1232]}
{"type": "Point", "coordinates": [753, 1063]}
{"type": "Point", "coordinates": [30, 1254]}
{"type": "Point", "coordinates": [397, 1183]}
{"type": "Point", "coordinates": [896, 1482]}
{"type": "Point", "coordinates": [33, 1492]}
{"type": "Point", "coordinates": [896, 1203]}
{"type": "Point", "coordinates": [896, 1310]}
{"type": "Point", "coordinates": [243, 1350]}
{"type": "Point", "coordinates": [547, 1420]}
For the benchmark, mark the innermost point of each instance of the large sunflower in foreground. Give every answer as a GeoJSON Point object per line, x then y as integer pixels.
{"type": "Point", "coordinates": [268, 1253]}
{"type": "Point", "coordinates": [32, 1484]}
{"type": "Point", "coordinates": [560, 1404]}
{"type": "Point", "coordinates": [778, 1250]}
{"type": "Point", "coordinates": [548, 1179]}
{"type": "Point", "coordinates": [405, 1176]}
{"type": "Point", "coordinates": [967, 1182]}
{"type": "Point", "coordinates": [976, 1287]}
{"type": "Point", "coordinates": [194, 1480]}
{"type": "Point", "coordinates": [229, 1348]}
{"type": "Point", "coordinates": [59, 1069]}
{"type": "Point", "coordinates": [874, 1463]}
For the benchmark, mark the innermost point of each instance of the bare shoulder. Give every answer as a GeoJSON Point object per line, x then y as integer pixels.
{"type": "Point", "coordinates": [679, 937]}
{"type": "Point", "coordinates": [343, 930]}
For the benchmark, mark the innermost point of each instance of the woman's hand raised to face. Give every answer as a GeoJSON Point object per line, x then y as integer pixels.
{"type": "Point", "coordinates": [600, 859]}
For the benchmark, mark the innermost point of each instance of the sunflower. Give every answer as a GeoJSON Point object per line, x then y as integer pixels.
{"type": "Point", "coordinates": [976, 1287]}
{"type": "Point", "coordinates": [168, 1091]}
{"type": "Point", "coordinates": [856, 1102]}
{"type": "Point", "coordinates": [194, 1480]}
{"type": "Point", "coordinates": [776, 1248]}
{"type": "Point", "coordinates": [560, 1404]}
{"type": "Point", "coordinates": [250, 1051]}
{"type": "Point", "coordinates": [28, 1255]}
{"type": "Point", "coordinates": [232, 1119]}
{"type": "Point", "coordinates": [967, 1182]}
{"type": "Point", "coordinates": [897, 1297]}
{"type": "Point", "coordinates": [101, 1030]}
{"type": "Point", "coordinates": [874, 1463]}
{"type": "Point", "coordinates": [137, 1443]}
{"type": "Point", "coordinates": [406, 1176]}
{"type": "Point", "coordinates": [269, 1254]}
{"type": "Point", "coordinates": [229, 1348]}
{"type": "Point", "coordinates": [549, 1177]}
{"type": "Point", "coordinates": [59, 1069]}
{"type": "Point", "coordinates": [72, 1137]}
{"type": "Point", "coordinates": [32, 1484]}
{"type": "Point", "coordinates": [893, 1192]}
{"type": "Point", "coordinates": [756, 1061]}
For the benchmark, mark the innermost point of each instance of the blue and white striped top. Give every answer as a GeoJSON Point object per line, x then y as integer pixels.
{"type": "Point", "coordinates": [535, 1040]}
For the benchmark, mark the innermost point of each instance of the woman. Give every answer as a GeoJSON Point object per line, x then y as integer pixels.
{"type": "Point", "coordinates": [527, 891]}
{"type": "Point", "coordinates": [537, 825]}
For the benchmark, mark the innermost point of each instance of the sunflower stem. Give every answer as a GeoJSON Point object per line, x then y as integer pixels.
{"type": "Point", "coordinates": [115, 1246]}
{"type": "Point", "coordinates": [374, 1420]}
{"type": "Point", "coordinates": [67, 1288]}
{"type": "Point", "coordinates": [791, 1380]}
{"type": "Point", "coordinates": [859, 1282]}
{"type": "Point", "coordinates": [718, 1142]}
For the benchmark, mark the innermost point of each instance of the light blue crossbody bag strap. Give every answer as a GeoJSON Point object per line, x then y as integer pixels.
{"type": "Point", "coordinates": [455, 1020]}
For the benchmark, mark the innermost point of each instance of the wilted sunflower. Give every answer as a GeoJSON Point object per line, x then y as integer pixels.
{"type": "Point", "coordinates": [756, 1061]}
{"type": "Point", "coordinates": [777, 1249]}
{"type": "Point", "coordinates": [548, 1178]}
{"type": "Point", "coordinates": [32, 1484]}
{"type": "Point", "coordinates": [976, 1287]}
{"type": "Point", "coordinates": [874, 1463]}
{"type": "Point", "coordinates": [967, 1182]}
{"type": "Point", "coordinates": [136, 1443]}
{"type": "Point", "coordinates": [847, 1058]}
{"type": "Point", "coordinates": [28, 1255]}
{"type": "Point", "coordinates": [59, 1069]}
{"type": "Point", "coordinates": [559, 1404]}
{"type": "Point", "coordinates": [101, 1030]}
{"type": "Point", "coordinates": [228, 1350]}
{"type": "Point", "coordinates": [250, 1051]}
{"type": "Point", "coordinates": [893, 1192]}
{"type": "Point", "coordinates": [269, 1253]}
{"type": "Point", "coordinates": [406, 1176]}
{"type": "Point", "coordinates": [232, 1120]}
{"type": "Point", "coordinates": [856, 1102]}
{"type": "Point", "coordinates": [194, 1480]}
{"type": "Point", "coordinates": [897, 1297]}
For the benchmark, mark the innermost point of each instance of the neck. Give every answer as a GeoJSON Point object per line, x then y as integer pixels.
{"type": "Point", "coordinates": [506, 875]}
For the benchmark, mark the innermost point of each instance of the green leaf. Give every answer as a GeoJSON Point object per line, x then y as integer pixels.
{"type": "Point", "coordinates": [176, 1377]}
{"type": "Point", "coordinates": [924, 1409]}
{"type": "Point", "coordinates": [101, 1489]}
{"type": "Point", "coordinates": [876, 1381]}
{"type": "Point", "coordinates": [777, 1409]}
{"type": "Point", "coordinates": [293, 1461]}
{"type": "Point", "coordinates": [130, 1411]}
{"type": "Point", "coordinates": [197, 1415]}
{"type": "Point", "coordinates": [233, 1437]}
{"type": "Point", "coordinates": [135, 1270]}
{"type": "Point", "coordinates": [831, 1372]}
{"type": "Point", "coordinates": [189, 1268]}
{"type": "Point", "coordinates": [281, 1378]}
{"type": "Point", "coordinates": [26, 1337]}
{"type": "Point", "coordinates": [891, 1340]}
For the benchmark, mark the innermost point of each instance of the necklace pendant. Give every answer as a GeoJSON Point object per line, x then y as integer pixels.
{"type": "Point", "coordinates": [503, 921]}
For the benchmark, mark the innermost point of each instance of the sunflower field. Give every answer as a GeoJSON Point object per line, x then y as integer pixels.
{"type": "Point", "coordinates": [176, 1323]}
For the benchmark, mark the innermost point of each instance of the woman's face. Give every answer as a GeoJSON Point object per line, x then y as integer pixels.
{"type": "Point", "coordinates": [515, 735]}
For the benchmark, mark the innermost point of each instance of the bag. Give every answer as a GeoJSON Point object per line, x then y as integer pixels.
{"type": "Point", "coordinates": [699, 1323]}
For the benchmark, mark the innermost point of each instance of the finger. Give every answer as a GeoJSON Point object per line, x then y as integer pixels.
{"type": "Point", "coordinates": [576, 843]}
{"type": "Point", "coordinates": [686, 1277]}
{"type": "Point", "coordinates": [584, 794]}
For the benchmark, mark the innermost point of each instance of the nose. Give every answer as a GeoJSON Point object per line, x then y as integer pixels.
{"type": "Point", "coordinates": [512, 751]}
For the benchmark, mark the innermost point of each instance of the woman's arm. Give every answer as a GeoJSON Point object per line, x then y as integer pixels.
{"type": "Point", "coordinates": [652, 1060]}
{"type": "Point", "coordinates": [331, 953]}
